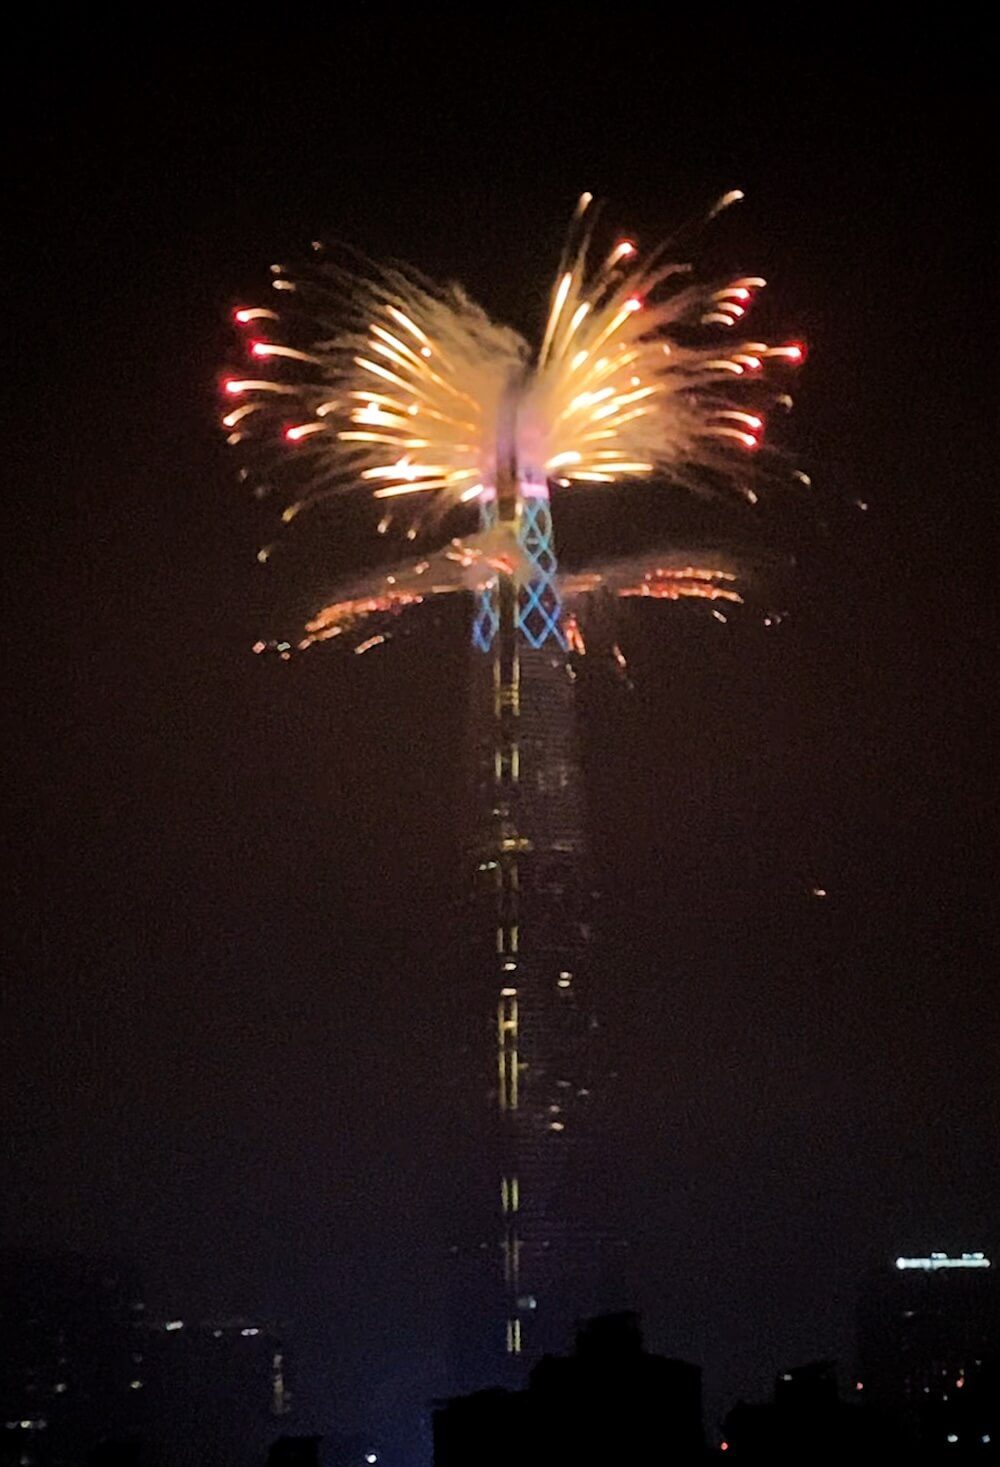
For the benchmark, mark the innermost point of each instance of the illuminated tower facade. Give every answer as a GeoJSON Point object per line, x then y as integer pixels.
{"type": "Point", "coordinates": [533, 905]}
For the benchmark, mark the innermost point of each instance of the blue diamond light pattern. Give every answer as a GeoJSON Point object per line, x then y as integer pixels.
{"type": "Point", "coordinates": [486, 618]}
{"type": "Point", "coordinates": [539, 609]}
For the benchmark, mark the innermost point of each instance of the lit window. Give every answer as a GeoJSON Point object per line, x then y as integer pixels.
{"type": "Point", "coordinates": [135, 1385]}
{"type": "Point", "coordinates": [951, 1437]}
{"type": "Point", "coordinates": [248, 1332]}
{"type": "Point", "coordinates": [173, 1324]}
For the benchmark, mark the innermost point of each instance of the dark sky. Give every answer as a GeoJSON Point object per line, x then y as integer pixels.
{"type": "Point", "coordinates": [231, 882]}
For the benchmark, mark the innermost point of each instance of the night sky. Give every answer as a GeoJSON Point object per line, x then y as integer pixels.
{"type": "Point", "coordinates": [232, 883]}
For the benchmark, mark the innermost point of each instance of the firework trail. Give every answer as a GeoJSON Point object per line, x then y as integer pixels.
{"type": "Point", "coordinates": [375, 380]}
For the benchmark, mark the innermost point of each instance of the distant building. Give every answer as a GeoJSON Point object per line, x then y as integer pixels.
{"type": "Point", "coordinates": [610, 1402]}
{"type": "Point", "coordinates": [84, 1370]}
{"type": "Point", "coordinates": [929, 1349]}
{"type": "Point", "coordinates": [212, 1391]}
{"type": "Point", "coordinates": [68, 1350]}
{"type": "Point", "coordinates": [807, 1423]}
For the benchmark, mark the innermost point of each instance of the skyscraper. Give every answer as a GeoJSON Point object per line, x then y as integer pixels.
{"type": "Point", "coordinates": [533, 910]}
{"type": "Point", "coordinates": [929, 1349]}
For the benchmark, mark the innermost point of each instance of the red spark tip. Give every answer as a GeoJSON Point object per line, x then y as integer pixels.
{"type": "Point", "coordinates": [230, 385]}
{"type": "Point", "coordinates": [243, 316]}
{"type": "Point", "coordinates": [634, 303]}
{"type": "Point", "coordinates": [259, 348]}
{"type": "Point", "coordinates": [796, 352]}
{"type": "Point", "coordinates": [294, 434]}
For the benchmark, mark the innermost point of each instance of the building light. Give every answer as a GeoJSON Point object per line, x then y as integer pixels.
{"type": "Point", "coordinates": [371, 1457]}
{"type": "Point", "coordinates": [246, 1333]}
{"type": "Point", "coordinates": [60, 1388]}
{"type": "Point", "coordinates": [942, 1260]}
{"type": "Point", "coordinates": [173, 1324]}
{"type": "Point", "coordinates": [135, 1385]}
{"type": "Point", "coordinates": [951, 1437]}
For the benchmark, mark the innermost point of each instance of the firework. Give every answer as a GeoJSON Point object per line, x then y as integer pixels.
{"type": "Point", "coordinates": [377, 381]}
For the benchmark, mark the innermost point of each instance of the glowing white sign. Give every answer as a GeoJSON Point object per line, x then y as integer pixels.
{"type": "Point", "coordinates": [942, 1260]}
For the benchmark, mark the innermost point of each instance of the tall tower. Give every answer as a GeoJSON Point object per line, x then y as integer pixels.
{"type": "Point", "coordinates": [532, 896]}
